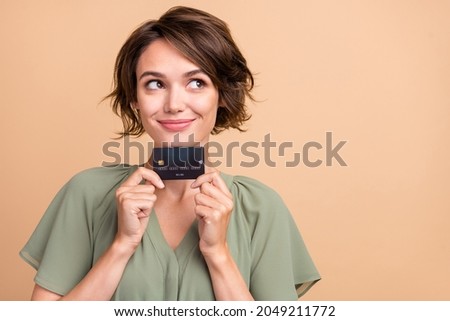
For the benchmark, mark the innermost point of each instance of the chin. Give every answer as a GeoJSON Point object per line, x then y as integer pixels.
{"type": "Point", "coordinates": [179, 139]}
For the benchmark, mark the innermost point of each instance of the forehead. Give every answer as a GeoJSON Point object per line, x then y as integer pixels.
{"type": "Point", "coordinates": [162, 56]}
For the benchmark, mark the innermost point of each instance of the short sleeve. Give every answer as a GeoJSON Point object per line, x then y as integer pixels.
{"type": "Point", "coordinates": [61, 248]}
{"type": "Point", "coordinates": [282, 268]}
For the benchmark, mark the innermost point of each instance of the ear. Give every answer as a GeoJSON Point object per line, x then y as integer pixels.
{"type": "Point", "coordinates": [221, 103]}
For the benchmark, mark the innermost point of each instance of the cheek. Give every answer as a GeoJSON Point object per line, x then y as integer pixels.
{"type": "Point", "coordinates": [148, 105]}
{"type": "Point", "coordinates": [207, 105]}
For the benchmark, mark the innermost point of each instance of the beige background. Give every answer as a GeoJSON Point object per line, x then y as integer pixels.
{"type": "Point", "coordinates": [375, 73]}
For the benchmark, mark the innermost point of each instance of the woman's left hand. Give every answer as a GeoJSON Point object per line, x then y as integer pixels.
{"type": "Point", "coordinates": [213, 207]}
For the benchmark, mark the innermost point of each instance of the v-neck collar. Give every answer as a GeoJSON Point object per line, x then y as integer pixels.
{"type": "Point", "coordinates": [188, 244]}
{"type": "Point", "coordinates": [175, 263]}
{"type": "Point", "coordinates": [184, 248]}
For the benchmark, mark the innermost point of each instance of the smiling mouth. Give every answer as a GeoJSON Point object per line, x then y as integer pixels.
{"type": "Point", "coordinates": [176, 124]}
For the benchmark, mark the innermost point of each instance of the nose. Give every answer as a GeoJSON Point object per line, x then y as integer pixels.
{"type": "Point", "coordinates": [175, 102]}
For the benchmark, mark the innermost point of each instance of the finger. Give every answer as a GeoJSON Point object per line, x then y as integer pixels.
{"type": "Point", "coordinates": [217, 194]}
{"type": "Point", "coordinates": [202, 213]}
{"type": "Point", "coordinates": [139, 206]}
{"type": "Point", "coordinates": [213, 178]}
{"type": "Point", "coordinates": [150, 189]}
{"type": "Point", "coordinates": [205, 200]}
{"type": "Point", "coordinates": [210, 190]}
{"type": "Point", "coordinates": [210, 177]}
{"type": "Point", "coordinates": [143, 215]}
{"type": "Point", "coordinates": [134, 192]}
{"type": "Point", "coordinates": [211, 208]}
{"type": "Point", "coordinates": [146, 174]}
{"type": "Point", "coordinates": [137, 196]}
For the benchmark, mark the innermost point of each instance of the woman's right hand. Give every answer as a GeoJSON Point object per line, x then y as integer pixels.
{"type": "Point", "coordinates": [134, 204]}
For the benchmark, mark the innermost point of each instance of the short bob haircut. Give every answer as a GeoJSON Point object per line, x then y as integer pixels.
{"type": "Point", "coordinates": [206, 41]}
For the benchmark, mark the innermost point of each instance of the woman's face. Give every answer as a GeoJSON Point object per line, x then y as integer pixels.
{"type": "Point", "coordinates": [177, 101]}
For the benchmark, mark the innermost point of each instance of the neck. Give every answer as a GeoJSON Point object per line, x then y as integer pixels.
{"type": "Point", "coordinates": [178, 189]}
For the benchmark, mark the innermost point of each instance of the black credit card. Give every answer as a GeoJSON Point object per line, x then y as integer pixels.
{"type": "Point", "coordinates": [178, 162]}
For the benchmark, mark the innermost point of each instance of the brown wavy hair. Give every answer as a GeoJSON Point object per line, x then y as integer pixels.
{"type": "Point", "coordinates": [207, 42]}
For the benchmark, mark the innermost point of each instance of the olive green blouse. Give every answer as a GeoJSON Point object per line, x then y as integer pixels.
{"type": "Point", "coordinates": [81, 223]}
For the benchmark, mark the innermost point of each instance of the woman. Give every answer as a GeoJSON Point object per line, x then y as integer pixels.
{"type": "Point", "coordinates": [122, 233]}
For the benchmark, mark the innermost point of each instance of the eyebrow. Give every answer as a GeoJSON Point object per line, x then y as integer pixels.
{"type": "Point", "coordinates": [160, 75]}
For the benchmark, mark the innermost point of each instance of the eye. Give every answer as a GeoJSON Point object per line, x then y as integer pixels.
{"type": "Point", "coordinates": [154, 85]}
{"type": "Point", "coordinates": [196, 84]}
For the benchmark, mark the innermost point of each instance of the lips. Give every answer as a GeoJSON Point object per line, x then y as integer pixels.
{"type": "Point", "coordinates": [176, 124]}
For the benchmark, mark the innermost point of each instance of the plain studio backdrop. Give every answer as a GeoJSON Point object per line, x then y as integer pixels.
{"type": "Point", "coordinates": [374, 74]}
